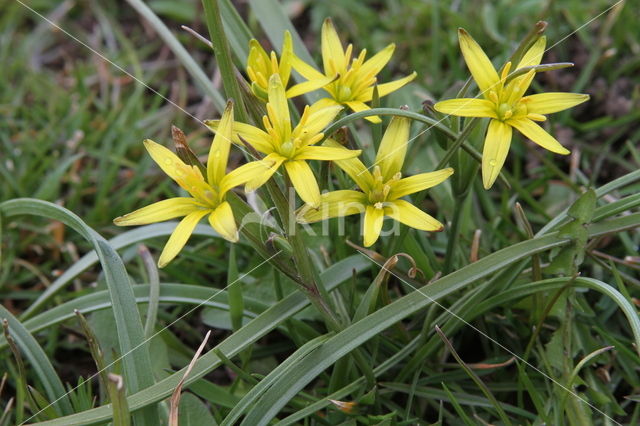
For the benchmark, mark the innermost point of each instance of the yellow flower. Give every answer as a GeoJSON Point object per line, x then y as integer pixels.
{"type": "Point", "coordinates": [352, 84]}
{"type": "Point", "coordinates": [207, 193]}
{"type": "Point", "coordinates": [292, 147]}
{"type": "Point", "coordinates": [506, 104]}
{"type": "Point", "coordinates": [381, 191]}
{"type": "Point", "coordinates": [261, 66]}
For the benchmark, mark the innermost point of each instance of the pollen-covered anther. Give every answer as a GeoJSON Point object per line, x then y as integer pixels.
{"type": "Point", "coordinates": [493, 97]}
{"type": "Point", "coordinates": [377, 174]}
{"type": "Point", "coordinates": [378, 205]}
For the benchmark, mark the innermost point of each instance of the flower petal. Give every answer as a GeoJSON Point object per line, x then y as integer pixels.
{"type": "Point", "coordinates": [242, 175]}
{"type": "Point", "coordinates": [371, 67]}
{"type": "Point", "coordinates": [259, 139]}
{"type": "Point", "coordinates": [353, 167]}
{"type": "Point", "coordinates": [188, 177]}
{"type": "Point", "coordinates": [533, 56]}
{"type": "Point", "coordinates": [160, 211]}
{"type": "Point", "coordinates": [372, 225]}
{"type": "Point", "coordinates": [284, 67]}
{"type": "Point", "coordinates": [326, 153]}
{"type": "Point", "coordinates": [332, 52]}
{"type": "Point", "coordinates": [496, 147]}
{"type": "Point", "coordinates": [333, 204]}
{"type": "Point", "coordinates": [393, 147]}
{"type": "Point", "coordinates": [416, 183]}
{"type": "Point", "coordinates": [304, 181]}
{"type": "Point", "coordinates": [481, 68]}
{"type": "Point", "coordinates": [306, 70]}
{"type": "Point", "coordinates": [278, 107]}
{"type": "Point", "coordinates": [467, 107]}
{"type": "Point", "coordinates": [316, 121]}
{"type": "Point", "coordinates": [271, 164]}
{"type": "Point", "coordinates": [358, 106]}
{"type": "Point", "coordinates": [221, 219]}
{"type": "Point", "coordinates": [308, 86]}
{"type": "Point", "coordinates": [538, 135]}
{"type": "Point", "coordinates": [385, 88]}
{"type": "Point", "coordinates": [219, 151]}
{"type": "Point", "coordinates": [548, 103]}
{"type": "Point", "coordinates": [405, 212]}
{"type": "Point", "coordinates": [179, 237]}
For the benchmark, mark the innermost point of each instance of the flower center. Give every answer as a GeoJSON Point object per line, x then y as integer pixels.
{"type": "Point", "coordinates": [506, 111]}
{"type": "Point", "coordinates": [344, 93]}
{"type": "Point", "coordinates": [380, 191]}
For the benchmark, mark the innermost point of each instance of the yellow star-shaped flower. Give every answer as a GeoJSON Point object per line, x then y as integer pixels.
{"type": "Point", "coordinates": [261, 66]}
{"type": "Point", "coordinates": [207, 194]}
{"type": "Point", "coordinates": [504, 102]}
{"type": "Point", "coordinates": [380, 192]}
{"type": "Point", "coordinates": [351, 83]}
{"type": "Point", "coordinates": [292, 147]}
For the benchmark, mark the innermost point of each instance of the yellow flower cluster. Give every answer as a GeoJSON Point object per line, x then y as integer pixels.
{"type": "Point", "coordinates": [348, 82]}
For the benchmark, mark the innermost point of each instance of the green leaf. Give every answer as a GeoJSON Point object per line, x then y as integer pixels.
{"type": "Point", "coordinates": [133, 349]}
{"type": "Point", "coordinates": [582, 209]}
{"type": "Point", "coordinates": [234, 344]}
{"type": "Point", "coordinates": [39, 361]}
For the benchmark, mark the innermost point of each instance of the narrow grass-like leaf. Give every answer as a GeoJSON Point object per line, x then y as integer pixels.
{"type": "Point", "coordinates": [256, 391]}
{"type": "Point", "coordinates": [39, 361]}
{"type": "Point", "coordinates": [136, 360]}
{"type": "Point", "coordinates": [231, 346]}
{"type": "Point", "coordinates": [483, 387]}
{"type": "Point", "coordinates": [358, 333]}
{"type": "Point", "coordinates": [200, 78]}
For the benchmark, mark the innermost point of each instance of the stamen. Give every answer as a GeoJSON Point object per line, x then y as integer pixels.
{"type": "Point", "coordinates": [378, 205]}
{"type": "Point", "coordinates": [274, 62]}
{"type": "Point", "coordinates": [493, 96]}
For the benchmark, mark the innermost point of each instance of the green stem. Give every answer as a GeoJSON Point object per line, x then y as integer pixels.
{"type": "Point", "coordinates": [223, 56]}
{"type": "Point", "coordinates": [452, 242]}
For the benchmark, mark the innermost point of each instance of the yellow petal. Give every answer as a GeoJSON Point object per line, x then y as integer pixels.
{"type": "Point", "coordinates": [259, 139]}
{"type": "Point", "coordinates": [374, 65]}
{"type": "Point", "coordinates": [188, 177]}
{"type": "Point", "coordinates": [219, 151]}
{"type": "Point", "coordinates": [308, 86]}
{"type": "Point", "coordinates": [548, 103]}
{"type": "Point", "coordinates": [410, 215]}
{"type": "Point", "coordinates": [258, 58]}
{"type": "Point", "coordinates": [332, 52]}
{"type": "Point", "coordinates": [358, 106]}
{"type": "Point", "coordinates": [160, 211]}
{"type": "Point", "coordinates": [353, 167]}
{"type": "Point", "coordinates": [385, 88]}
{"type": "Point", "coordinates": [518, 86]}
{"type": "Point", "coordinates": [467, 107]}
{"type": "Point", "coordinates": [478, 63]}
{"type": "Point", "coordinates": [278, 108]}
{"type": "Point", "coordinates": [271, 164]}
{"type": "Point", "coordinates": [221, 219]}
{"type": "Point", "coordinates": [284, 68]}
{"type": "Point", "coordinates": [318, 120]}
{"type": "Point", "coordinates": [416, 183]}
{"type": "Point", "coordinates": [306, 70]}
{"type": "Point", "coordinates": [323, 103]}
{"type": "Point", "coordinates": [180, 236]}
{"type": "Point", "coordinates": [393, 147]}
{"type": "Point", "coordinates": [242, 175]}
{"type": "Point", "coordinates": [304, 181]}
{"type": "Point", "coordinates": [333, 204]}
{"type": "Point", "coordinates": [538, 135]}
{"type": "Point", "coordinates": [496, 147]}
{"type": "Point", "coordinates": [325, 153]}
{"type": "Point", "coordinates": [533, 56]}
{"type": "Point", "coordinates": [372, 225]}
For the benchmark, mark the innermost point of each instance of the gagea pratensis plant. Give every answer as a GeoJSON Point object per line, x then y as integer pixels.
{"type": "Point", "coordinates": [346, 334]}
